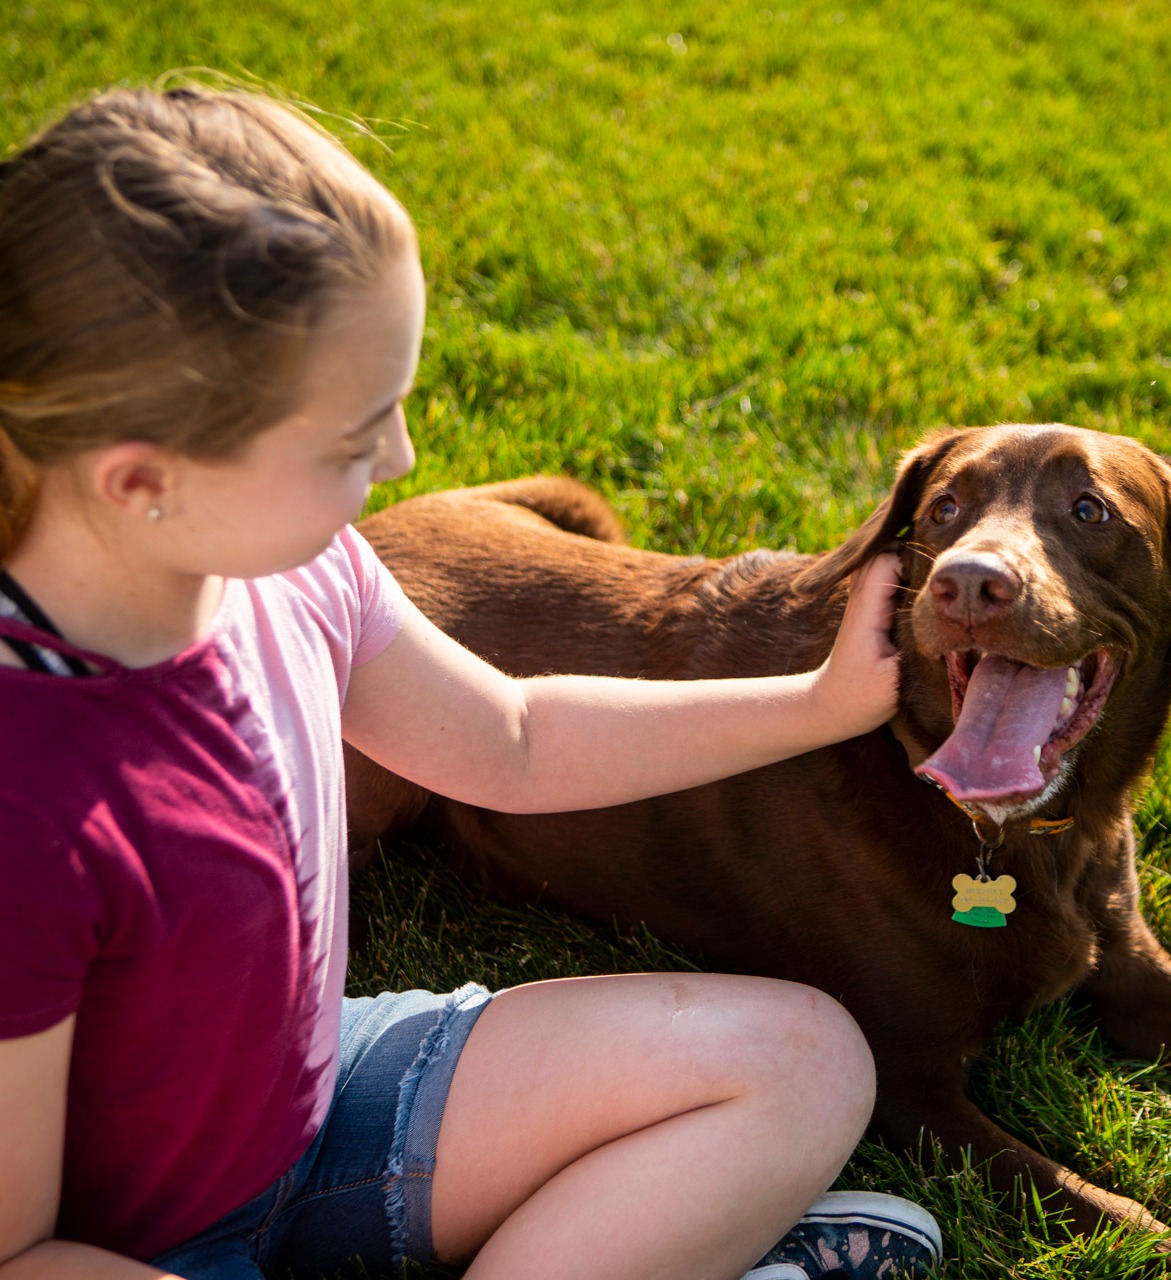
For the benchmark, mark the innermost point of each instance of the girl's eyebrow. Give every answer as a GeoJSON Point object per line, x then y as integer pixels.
{"type": "Point", "coordinates": [375, 417]}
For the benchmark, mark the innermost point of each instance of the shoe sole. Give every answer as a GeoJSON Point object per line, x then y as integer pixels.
{"type": "Point", "coordinates": [778, 1271]}
{"type": "Point", "coordinates": [874, 1209]}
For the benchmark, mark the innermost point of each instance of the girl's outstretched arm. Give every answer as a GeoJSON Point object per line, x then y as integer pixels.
{"type": "Point", "coordinates": [434, 713]}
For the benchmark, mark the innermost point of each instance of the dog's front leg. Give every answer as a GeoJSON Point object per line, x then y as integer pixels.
{"type": "Point", "coordinates": [1130, 986]}
{"type": "Point", "coordinates": [1130, 993]}
{"type": "Point", "coordinates": [920, 1110]}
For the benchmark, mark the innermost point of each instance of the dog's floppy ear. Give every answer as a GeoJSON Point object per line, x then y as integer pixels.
{"type": "Point", "coordinates": [888, 525]}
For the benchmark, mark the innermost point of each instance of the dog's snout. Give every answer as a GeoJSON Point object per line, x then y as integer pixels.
{"type": "Point", "coordinates": [973, 585]}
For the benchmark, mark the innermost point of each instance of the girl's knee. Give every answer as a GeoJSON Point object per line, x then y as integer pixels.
{"type": "Point", "coordinates": [849, 1047]}
{"type": "Point", "coordinates": [824, 1052]}
{"type": "Point", "coordinates": [838, 1023]}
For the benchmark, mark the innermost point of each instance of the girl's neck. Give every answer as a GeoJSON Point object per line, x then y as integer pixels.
{"type": "Point", "coordinates": [112, 599]}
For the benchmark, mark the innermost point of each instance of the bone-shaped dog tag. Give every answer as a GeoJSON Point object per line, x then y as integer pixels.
{"type": "Point", "coordinates": [983, 903]}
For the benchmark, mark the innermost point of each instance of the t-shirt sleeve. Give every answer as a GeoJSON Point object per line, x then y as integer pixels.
{"type": "Point", "coordinates": [50, 924]}
{"type": "Point", "coordinates": [346, 596]}
{"type": "Point", "coordinates": [381, 599]}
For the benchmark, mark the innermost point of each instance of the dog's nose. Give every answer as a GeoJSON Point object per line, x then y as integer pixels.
{"type": "Point", "coordinates": [968, 586]}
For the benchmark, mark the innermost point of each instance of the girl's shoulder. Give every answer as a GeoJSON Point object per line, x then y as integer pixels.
{"type": "Point", "coordinates": [345, 595]}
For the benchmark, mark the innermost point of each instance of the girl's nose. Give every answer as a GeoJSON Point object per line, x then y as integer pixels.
{"type": "Point", "coordinates": [396, 455]}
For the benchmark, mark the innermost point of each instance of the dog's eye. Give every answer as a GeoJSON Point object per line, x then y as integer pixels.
{"type": "Point", "coordinates": [944, 510]}
{"type": "Point", "coordinates": [1090, 510]}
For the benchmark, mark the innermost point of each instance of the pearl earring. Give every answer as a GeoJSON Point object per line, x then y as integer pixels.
{"type": "Point", "coordinates": [154, 514]}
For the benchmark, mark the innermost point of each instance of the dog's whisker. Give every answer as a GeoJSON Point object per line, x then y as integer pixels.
{"type": "Point", "coordinates": [920, 550]}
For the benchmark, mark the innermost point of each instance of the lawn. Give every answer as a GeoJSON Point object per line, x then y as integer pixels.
{"type": "Point", "coordinates": [726, 262]}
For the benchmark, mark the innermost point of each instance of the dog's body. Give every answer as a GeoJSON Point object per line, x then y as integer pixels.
{"type": "Point", "coordinates": [1034, 549]}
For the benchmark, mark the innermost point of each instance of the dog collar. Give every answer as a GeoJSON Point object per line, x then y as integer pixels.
{"type": "Point", "coordinates": [989, 831]}
{"type": "Point", "coordinates": [983, 901]}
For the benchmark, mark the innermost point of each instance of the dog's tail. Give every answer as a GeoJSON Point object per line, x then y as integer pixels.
{"type": "Point", "coordinates": [563, 502]}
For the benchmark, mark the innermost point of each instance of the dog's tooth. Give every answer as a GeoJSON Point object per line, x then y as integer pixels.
{"type": "Point", "coordinates": [1066, 706]}
{"type": "Point", "coordinates": [1072, 680]}
{"type": "Point", "coordinates": [1037, 755]}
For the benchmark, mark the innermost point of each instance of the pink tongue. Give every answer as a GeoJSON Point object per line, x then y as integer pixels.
{"type": "Point", "coordinates": [1008, 710]}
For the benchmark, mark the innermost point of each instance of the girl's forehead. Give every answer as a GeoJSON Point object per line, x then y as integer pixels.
{"type": "Point", "coordinates": [363, 357]}
{"type": "Point", "coordinates": [395, 297]}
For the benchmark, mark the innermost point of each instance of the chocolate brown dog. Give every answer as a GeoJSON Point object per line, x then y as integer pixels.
{"type": "Point", "coordinates": [1035, 641]}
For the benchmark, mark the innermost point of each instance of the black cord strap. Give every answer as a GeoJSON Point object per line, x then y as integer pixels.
{"type": "Point", "coordinates": [30, 654]}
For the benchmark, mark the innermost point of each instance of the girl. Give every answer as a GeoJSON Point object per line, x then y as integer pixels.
{"type": "Point", "coordinates": [210, 319]}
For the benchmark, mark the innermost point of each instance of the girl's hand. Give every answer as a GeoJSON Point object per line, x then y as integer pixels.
{"type": "Point", "coordinates": [857, 685]}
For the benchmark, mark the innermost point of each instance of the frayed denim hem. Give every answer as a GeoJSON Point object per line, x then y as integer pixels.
{"type": "Point", "coordinates": [421, 1099]}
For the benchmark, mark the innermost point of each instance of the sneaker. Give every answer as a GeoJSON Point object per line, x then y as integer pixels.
{"type": "Point", "coordinates": [855, 1233]}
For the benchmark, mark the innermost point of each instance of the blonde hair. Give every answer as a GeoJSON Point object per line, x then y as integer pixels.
{"type": "Point", "coordinates": [164, 258]}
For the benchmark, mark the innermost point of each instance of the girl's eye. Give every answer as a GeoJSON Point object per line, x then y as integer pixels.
{"type": "Point", "coordinates": [371, 450]}
{"type": "Point", "coordinates": [1090, 510]}
{"type": "Point", "coordinates": [944, 510]}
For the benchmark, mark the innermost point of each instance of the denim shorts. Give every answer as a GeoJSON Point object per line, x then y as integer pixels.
{"type": "Point", "coordinates": [358, 1202]}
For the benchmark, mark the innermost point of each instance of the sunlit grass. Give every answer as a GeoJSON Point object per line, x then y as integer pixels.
{"type": "Point", "coordinates": [725, 262]}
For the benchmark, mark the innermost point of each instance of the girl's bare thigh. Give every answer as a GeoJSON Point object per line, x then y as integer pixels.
{"type": "Point", "coordinates": [597, 1102]}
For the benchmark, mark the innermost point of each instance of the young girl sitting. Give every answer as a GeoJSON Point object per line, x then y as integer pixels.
{"type": "Point", "coordinates": [210, 319]}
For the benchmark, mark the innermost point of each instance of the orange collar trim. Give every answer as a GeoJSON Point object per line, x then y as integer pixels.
{"type": "Point", "coordinates": [1036, 827]}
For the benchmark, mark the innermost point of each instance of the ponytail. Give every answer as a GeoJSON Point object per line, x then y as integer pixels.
{"type": "Point", "coordinates": [18, 490]}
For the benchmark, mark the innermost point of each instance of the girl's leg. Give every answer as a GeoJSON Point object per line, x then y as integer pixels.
{"type": "Point", "coordinates": [644, 1126]}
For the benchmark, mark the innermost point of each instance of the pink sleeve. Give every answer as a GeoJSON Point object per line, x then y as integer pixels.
{"type": "Point", "coordinates": [381, 598]}
{"type": "Point", "coordinates": [50, 925]}
{"type": "Point", "coordinates": [357, 605]}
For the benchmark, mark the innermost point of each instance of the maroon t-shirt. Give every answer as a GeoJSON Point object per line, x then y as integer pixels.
{"type": "Point", "coordinates": [172, 872]}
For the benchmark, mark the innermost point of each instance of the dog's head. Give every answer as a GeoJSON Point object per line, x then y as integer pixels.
{"type": "Point", "coordinates": [1037, 563]}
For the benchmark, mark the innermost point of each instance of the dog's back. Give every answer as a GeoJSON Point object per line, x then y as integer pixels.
{"type": "Point", "coordinates": [536, 576]}
{"type": "Point", "coordinates": [836, 868]}
{"type": "Point", "coordinates": [737, 870]}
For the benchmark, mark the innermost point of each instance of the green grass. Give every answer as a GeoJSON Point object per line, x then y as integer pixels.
{"type": "Point", "coordinates": [726, 264]}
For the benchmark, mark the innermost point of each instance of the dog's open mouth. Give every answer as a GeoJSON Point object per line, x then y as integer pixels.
{"type": "Point", "coordinates": [1015, 723]}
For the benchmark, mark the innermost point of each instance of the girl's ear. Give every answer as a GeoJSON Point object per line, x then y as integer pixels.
{"type": "Point", "coordinates": [134, 476]}
{"type": "Point", "coordinates": [888, 525]}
